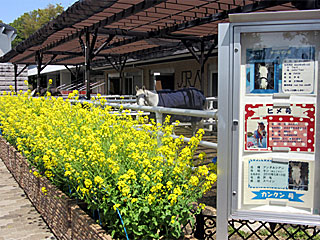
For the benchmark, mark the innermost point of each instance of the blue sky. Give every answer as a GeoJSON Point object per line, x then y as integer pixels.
{"type": "Point", "coordinates": [12, 9]}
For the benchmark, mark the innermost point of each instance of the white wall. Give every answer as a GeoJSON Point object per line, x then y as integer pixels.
{"type": "Point", "coordinates": [7, 35]}
{"type": "Point", "coordinates": [65, 78]}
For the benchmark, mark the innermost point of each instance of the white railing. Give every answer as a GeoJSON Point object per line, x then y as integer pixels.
{"type": "Point", "coordinates": [159, 111]}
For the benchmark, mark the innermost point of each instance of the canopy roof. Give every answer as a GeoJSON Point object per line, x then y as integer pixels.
{"type": "Point", "coordinates": [136, 29]}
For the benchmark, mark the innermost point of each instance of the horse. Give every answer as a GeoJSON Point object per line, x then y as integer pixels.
{"type": "Point", "coordinates": [263, 76]}
{"type": "Point", "coordinates": [187, 98]}
{"type": "Point", "coordinates": [297, 181]}
{"type": "Point", "coordinates": [260, 133]}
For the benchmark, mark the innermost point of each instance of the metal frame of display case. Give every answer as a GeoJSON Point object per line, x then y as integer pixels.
{"type": "Point", "coordinates": [229, 176]}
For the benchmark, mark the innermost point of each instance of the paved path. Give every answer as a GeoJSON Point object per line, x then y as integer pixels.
{"type": "Point", "coordinates": [19, 220]}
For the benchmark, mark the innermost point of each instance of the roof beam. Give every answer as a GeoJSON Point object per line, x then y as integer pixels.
{"type": "Point", "coordinates": [109, 20]}
{"type": "Point", "coordinates": [76, 54]}
{"type": "Point", "coordinates": [144, 35]}
{"type": "Point", "coordinates": [225, 14]}
{"type": "Point", "coordinates": [161, 33]}
{"type": "Point", "coordinates": [167, 32]}
{"type": "Point", "coordinates": [98, 50]}
{"type": "Point", "coordinates": [191, 50]}
{"type": "Point", "coordinates": [62, 21]}
{"type": "Point", "coordinates": [50, 61]}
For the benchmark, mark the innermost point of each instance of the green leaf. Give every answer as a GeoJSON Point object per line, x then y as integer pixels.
{"type": "Point", "coordinates": [142, 228]}
{"type": "Point", "coordinates": [146, 209]}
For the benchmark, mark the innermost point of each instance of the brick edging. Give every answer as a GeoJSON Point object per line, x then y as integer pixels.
{"type": "Point", "coordinates": [62, 214]}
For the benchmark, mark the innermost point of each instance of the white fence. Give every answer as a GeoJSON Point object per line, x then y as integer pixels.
{"type": "Point", "coordinates": [159, 111]}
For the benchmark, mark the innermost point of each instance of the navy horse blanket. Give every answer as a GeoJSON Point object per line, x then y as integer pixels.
{"type": "Point", "coordinates": [186, 98]}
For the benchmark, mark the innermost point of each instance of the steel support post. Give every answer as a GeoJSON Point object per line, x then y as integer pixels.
{"type": "Point", "coordinates": [87, 64]}
{"type": "Point", "coordinates": [202, 63]}
{"type": "Point", "coordinates": [39, 63]}
{"type": "Point", "coordinates": [15, 66]}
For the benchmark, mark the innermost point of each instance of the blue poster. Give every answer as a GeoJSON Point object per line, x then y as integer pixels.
{"type": "Point", "coordinates": [264, 67]}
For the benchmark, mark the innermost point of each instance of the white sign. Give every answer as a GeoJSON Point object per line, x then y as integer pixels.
{"type": "Point", "coordinates": [297, 76]}
{"type": "Point", "coordinates": [263, 173]}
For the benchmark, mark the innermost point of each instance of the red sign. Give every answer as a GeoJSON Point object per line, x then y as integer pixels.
{"type": "Point", "coordinates": [267, 127]}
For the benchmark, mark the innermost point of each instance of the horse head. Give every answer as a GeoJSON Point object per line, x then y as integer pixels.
{"type": "Point", "coordinates": [146, 97]}
{"type": "Point", "coordinates": [261, 126]}
{"type": "Point", "coordinates": [263, 76]}
{"type": "Point", "coordinates": [296, 173]}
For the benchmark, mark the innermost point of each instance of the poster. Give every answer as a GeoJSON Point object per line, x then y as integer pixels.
{"type": "Point", "coordinates": [290, 128]}
{"type": "Point", "coordinates": [280, 70]}
{"type": "Point", "coordinates": [287, 182]}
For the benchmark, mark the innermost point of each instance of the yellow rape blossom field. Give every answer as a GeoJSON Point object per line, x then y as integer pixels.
{"type": "Point", "coordinates": [117, 165]}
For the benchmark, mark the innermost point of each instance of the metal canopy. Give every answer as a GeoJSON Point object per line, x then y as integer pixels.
{"type": "Point", "coordinates": [131, 28]}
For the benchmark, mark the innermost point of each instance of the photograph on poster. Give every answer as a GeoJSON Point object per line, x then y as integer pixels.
{"type": "Point", "coordinates": [298, 175]}
{"type": "Point", "coordinates": [268, 127]}
{"type": "Point", "coordinates": [285, 70]}
{"type": "Point", "coordinates": [257, 134]}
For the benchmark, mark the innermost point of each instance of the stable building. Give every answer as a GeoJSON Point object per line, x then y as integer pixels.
{"type": "Point", "coordinates": [164, 44]}
{"type": "Point", "coordinates": [7, 70]}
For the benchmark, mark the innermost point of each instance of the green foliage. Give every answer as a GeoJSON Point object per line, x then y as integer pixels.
{"type": "Point", "coordinates": [103, 159]}
{"type": "Point", "coordinates": [30, 22]}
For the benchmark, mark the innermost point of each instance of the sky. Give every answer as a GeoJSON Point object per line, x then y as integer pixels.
{"type": "Point", "coordinates": [12, 9]}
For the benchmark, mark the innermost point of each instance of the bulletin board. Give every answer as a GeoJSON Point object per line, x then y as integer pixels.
{"type": "Point", "coordinates": [269, 121]}
{"type": "Point", "coordinates": [278, 115]}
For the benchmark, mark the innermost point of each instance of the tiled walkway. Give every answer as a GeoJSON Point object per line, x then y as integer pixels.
{"type": "Point", "coordinates": [19, 220]}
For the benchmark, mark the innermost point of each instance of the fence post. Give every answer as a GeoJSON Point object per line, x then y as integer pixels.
{"type": "Point", "coordinates": [159, 117]}
{"type": "Point", "coordinates": [199, 232]}
{"type": "Point", "coordinates": [159, 120]}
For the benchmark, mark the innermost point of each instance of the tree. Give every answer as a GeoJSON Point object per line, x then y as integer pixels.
{"type": "Point", "coordinates": [30, 22]}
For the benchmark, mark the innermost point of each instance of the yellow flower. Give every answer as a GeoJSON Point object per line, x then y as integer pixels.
{"type": "Point", "coordinates": [48, 173]}
{"type": "Point", "coordinates": [98, 180]}
{"type": "Point", "coordinates": [202, 206]}
{"type": "Point", "coordinates": [202, 155]}
{"type": "Point", "coordinates": [88, 183]}
{"type": "Point", "coordinates": [212, 177]}
{"type": "Point", "coordinates": [150, 199]}
{"type": "Point", "coordinates": [44, 190]}
{"type": "Point", "coordinates": [36, 174]}
{"type": "Point", "coordinates": [172, 198]}
{"type": "Point", "coordinates": [50, 81]}
{"type": "Point", "coordinates": [203, 170]}
{"type": "Point", "coordinates": [173, 219]}
{"type": "Point", "coordinates": [67, 173]}
{"type": "Point", "coordinates": [177, 191]}
{"type": "Point", "coordinates": [169, 185]}
{"type": "Point", "coordinates": [116, 206]}
{"type": "Point", "coordinates": [84, 191]}
{"type": "Point", "coordinates": [194, 180]}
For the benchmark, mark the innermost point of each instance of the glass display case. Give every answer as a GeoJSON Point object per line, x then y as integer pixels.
{"type": "Point", "coordinates": [272, 128]}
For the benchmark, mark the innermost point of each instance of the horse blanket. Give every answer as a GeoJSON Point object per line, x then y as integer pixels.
{"type": "Point", "coordinates": [187, 98]}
